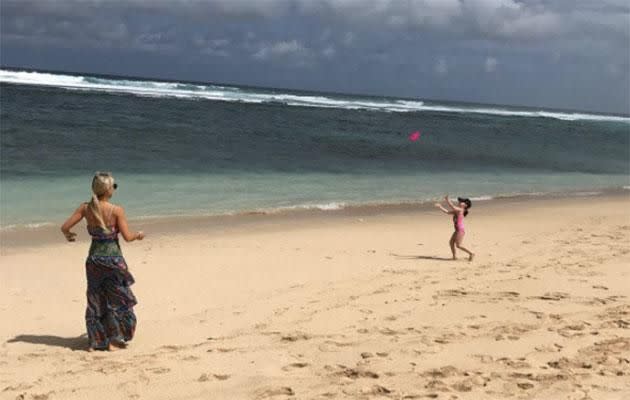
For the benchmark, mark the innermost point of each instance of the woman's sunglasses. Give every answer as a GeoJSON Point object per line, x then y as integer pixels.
{"type": "Point", "coordinates": [115, 186]}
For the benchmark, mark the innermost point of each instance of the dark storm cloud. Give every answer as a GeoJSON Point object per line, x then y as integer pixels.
{"type": "Point", "coordinates": [537, 52]}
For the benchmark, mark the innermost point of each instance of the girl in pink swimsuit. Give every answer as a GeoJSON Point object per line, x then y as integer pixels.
{"type": "Point", "coordinates": [458, 212]}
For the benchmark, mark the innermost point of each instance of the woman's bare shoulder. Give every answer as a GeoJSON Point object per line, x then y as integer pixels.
{"type": "Point", "coordinates": [117, 209]}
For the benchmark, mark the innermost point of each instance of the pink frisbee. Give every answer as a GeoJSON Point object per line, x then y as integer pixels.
{"type": "Point", "coordinates": [414, 136]}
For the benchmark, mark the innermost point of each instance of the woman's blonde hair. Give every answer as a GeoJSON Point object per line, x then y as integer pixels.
{"type": "Point", "coordinates": [102, 183]}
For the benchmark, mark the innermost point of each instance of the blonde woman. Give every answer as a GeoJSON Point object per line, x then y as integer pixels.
{"type": "Point", "coordinates": [109, 315]}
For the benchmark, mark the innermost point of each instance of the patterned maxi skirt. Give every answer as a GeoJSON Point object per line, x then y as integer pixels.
{"type": "Point", "coordinates": [109, 314]}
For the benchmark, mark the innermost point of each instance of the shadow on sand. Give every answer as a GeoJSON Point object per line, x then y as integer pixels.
{"type": "Point", "coordinates": [409, 257]}
{"type": "Point", "coordinates": [73, 343]}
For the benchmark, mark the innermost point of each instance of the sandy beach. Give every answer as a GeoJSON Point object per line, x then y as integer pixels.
{"type": "Point", "coordinates": [339, 306]}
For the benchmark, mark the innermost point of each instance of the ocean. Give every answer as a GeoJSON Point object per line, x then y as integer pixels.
{"type": "Point", "coordinates": [192, 149]}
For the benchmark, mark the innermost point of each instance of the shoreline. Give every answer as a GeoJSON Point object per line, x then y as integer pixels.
{"type": "Point", "coordinates": [25, 237]}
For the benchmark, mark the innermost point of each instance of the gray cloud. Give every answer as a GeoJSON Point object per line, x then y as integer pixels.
{"type": "Point", "coordinates": [490, 64]}
{"type": "Point", "coordinates": [441, 67]}
{"type": "Point", "coordinates": [290, 51]}
{"type": "Point", "coordinates": [375, 46]}
{"type": "Point", "coordinates": [483, 19]}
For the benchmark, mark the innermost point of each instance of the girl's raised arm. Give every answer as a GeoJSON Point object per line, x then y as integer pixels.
{"type": "Point", "coordinates": [451, 205]}
{"type": "Point", "coordinates": [444, 210]}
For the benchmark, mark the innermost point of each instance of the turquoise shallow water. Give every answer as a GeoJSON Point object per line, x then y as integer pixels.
{"type": "Point", "coordinates": [170, 195]}
{"type": "Point", "coordinates": [184, 149]}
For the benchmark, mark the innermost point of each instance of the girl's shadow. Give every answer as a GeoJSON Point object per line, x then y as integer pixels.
{"type": "Point", "coordinates": [76, 343]}
{"type": "Point", "coordinates": [408, 257]}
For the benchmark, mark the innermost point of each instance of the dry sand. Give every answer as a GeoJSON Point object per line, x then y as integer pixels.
{"type": "Point", "coordinates": [346, 306]}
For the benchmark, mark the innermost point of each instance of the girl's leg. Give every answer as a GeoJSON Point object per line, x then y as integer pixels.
{"type": "Point", "coordinates": [452, 244]}
{"type": "Point", "coordinates": [459, 238]}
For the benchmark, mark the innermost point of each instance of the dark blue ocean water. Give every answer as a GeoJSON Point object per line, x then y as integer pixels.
{"type": "Point", "coordinates": [191, 149]}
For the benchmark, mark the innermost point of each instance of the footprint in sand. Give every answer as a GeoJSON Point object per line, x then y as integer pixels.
{"type": "Point", "coordinates": [172, 347]}
{"type": "Point", "coordinates": [553, 296]}
{"type": "Point", "coordinates": [443, 372]}
{"type": "Point", "coordinates": [355, 373]}
{"type": "Point", "coordinates": [295, 365]}
{"type": "Point", "coordinates": [45, 396]}
{"type": "Point", "coordinates": [438, 385]}
{"type": "Point", "coordinates": [519, 363]}
{"type": "Point", "coordinates": [388, 332]}
{"type": "Point", "coordinates": [159, 370]}
{"type": "Point", "coordinates": [574, 330]}
{"type": "Point", "coordinates": [332, 346]}
{"type": "Point", "coordinates": [507, 295]}
{"type": "Point", "coordinates": [271, 392]}
{"type": "Point", "coordinates": [281, 311]}
{"type": "Point", "coordinates": [294, 337]}
{"type": "Point", "coordinates": [525, 385]}
{"type": "Point", "coordinates": [375, 389]}
{"type": "Point", "coordinates": [225, 350]}
{"type": "Point", "coordinates": [463, 386]}
{"type": "Point", "coordinates": [452, 293]}
{"type": "Point", "coordinates": [18, 387]}
{"type": "Point", "coordinates": [206, 377]}
{"type": "Point", "coordinates": [144, 378]}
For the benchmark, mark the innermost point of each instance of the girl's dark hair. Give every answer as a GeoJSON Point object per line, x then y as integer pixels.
{"type": "Point", "coordinates": [465, 213]}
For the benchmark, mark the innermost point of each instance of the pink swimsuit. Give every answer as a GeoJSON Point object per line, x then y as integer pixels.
{"type": "Point", "coordinates": [458, 221]}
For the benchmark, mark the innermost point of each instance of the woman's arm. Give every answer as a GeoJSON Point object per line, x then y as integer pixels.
{"type": "Point", "coordinates": [72, 221]}
{"type": "Point", "coordinates": [123, 226]}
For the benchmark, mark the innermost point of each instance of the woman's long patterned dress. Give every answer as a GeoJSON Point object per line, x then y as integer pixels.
{"type": "Point", "coordinates": [109, 315]}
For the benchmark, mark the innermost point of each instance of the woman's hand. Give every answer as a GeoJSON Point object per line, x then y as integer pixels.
{"type": "Point", "coordinates": [72, 221]}
{"type": "Point", "coordinates": [437, 205]}
{"type": "Point", "coordinates": [123, 226]}
{"type": "Point", "coordinates": [70, 236]}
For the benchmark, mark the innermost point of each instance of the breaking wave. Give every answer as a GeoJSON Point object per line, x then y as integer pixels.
{"type": "Point", "coordinates": [193, 91]}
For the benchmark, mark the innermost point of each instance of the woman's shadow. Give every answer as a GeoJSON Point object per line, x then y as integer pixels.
{"type": "Point", "coordinates": [73, 343]}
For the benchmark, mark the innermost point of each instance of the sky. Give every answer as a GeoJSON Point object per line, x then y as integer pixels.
{"type": "Point", "coordinates": [569, 54]}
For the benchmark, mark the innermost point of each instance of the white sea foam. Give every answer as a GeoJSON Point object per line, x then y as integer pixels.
{"type": "Point", "coordinates": [586, 193]}
{"type": "Point", "coordinates": [482, 198]}
{"type": "Point", "coordinates": [332, 206]}
{"type": "Point", "coordinates": [233, 94]}
{"type": "Point", "coordinates": [35, 225]}
{"type": "Point", "coordinates": [329, 206]}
